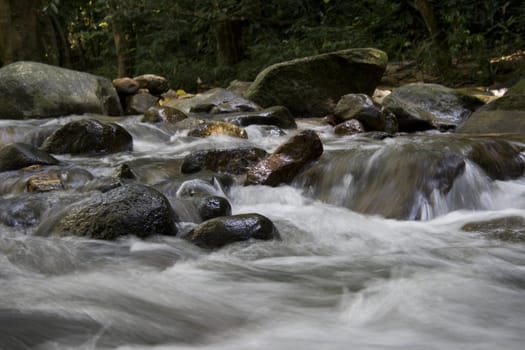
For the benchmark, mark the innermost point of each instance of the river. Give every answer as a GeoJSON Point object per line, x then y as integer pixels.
{"type": "Point", "coordinates": [338, 279]}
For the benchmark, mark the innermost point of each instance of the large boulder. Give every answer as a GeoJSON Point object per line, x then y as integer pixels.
{"type": "Point", "coordinates": [429, 106]}
{"type": "Point", "coordinates": [234, 161]}
{"type": "Point", "coordinates": [214, 101]}
{"type": "Point", "coordinates": [37, 90]}
{"type": "Point", "coordinates": [218, 232]}
{"type": "Point", "coordinates": [127, 210]}
{"type": "Point", "coordinates": [287, 161]}
{"type": "Point", "coordinates": [311, 86]}
{"type": "Point", "coordinates": [504, 115]}
{"type": "Point", "coordinates": [88, 136]}
{"type": "Point", "coordinates": [16, 156]}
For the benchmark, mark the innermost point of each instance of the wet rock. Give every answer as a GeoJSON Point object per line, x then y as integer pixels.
{"type": "Point", "coordinates": [500, 159]}
{"type": "Point", "coordinates": [510, 228]}
{"type": "Point", "coordinates": [20, 155]}
{"type": "Point", "coordinates": [218, 232]}
{"type": "Point", "coordinates": [238, 86]}
{"type": "Point", "coordinates": [287, 161]}
{"type": "Point", "coordinates": [349, 127]}
{"type": "Point", "coordinates": [126, 86]}
{"type": "Point", "coordinates": [199, 188]}
{"type": "Point", "coordinates": [429, 106]}
{"type": "Point", "coordinates": [277, 115]}
{"type": "Point", "coordinates": [311, 86]}
{"type": "Point", "coordinates": [213, 206]}
{"type": "Point", "coordinates": [210, 128]}
{"type": "Point", "coordinates": [127, 210]}
{"type": "Point", "coordinates": [223, 100]}
{"type": "Point", "coordinates": [162, 114]}
{"type": "Point", "coordinates": [37, 90]}
{"type": "Point", "coordinates": [234, 161]}
{"type": "Point", "coordinates": [140, 103]}
{"type": "Point", "coordinates": [155, 84]}
{"type": "Point", "coordinates": [88, 136]}
{"type": "Point", "coordinates": [45, 182]}
{"type": "Point", "coordinates": [362, 108]}
{"type": "Point", "coordinates": [504, 115]}
{"type": "Point", "coordinates": [124, 171]}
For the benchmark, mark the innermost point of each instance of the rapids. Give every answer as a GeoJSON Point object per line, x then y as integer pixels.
{"type": "Point", "coordinates": [339, 279]}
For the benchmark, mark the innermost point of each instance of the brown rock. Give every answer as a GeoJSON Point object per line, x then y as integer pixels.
{"type": "Point", "coordinates": [158, 114]}
{"type": "Point", "coordinates": [44, 183]}
{"type": "Point", "coordinates": [155, 84]}
{"type": "Point", "coordinates": [126, 86]}
{"type": "Point", "coordinates": [218, 128]}
{"type": "Point", "coordinates": [287, 161]}
{"type": "Point", "coordinates": [349, 127]}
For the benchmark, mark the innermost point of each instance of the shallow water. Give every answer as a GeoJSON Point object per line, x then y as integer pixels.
{"type": "Point", "coordinates": [338, 279]}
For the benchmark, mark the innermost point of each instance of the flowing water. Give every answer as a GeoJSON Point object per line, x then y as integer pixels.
{"type": "Point", "coordinates": [338, 279]}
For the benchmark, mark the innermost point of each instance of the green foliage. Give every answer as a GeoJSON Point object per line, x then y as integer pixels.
{"type": "Point", "coordinates": [178, 38]}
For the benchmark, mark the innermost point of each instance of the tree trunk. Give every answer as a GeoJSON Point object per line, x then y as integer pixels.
{"type": "Point", "coordinates": [19, 31]}
{"type": "Point", "coordinates": [439, 37]}
{"type": "Point", "coordinates": [229, 44]}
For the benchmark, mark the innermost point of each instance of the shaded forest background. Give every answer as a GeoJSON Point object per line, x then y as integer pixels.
{"type": "Point", "coordinates": [212, 42]}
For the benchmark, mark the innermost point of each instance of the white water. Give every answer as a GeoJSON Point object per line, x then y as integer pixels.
{"type": "Point", "coordinates": [337, 280]}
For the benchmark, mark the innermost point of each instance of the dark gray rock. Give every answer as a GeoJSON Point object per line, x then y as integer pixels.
{"type": "Point", "coordinates": [510, 228]}
{"type": "Point", "coordinates": [218, 232]}
{"type": "Point", "coordinates": [213, 206]}
{"type": "Point", "coordinates": [287, 161]}
{"type": "Point", "coordinates": [362, 108]}
{"type": "Point", "coordinates": [349, 127]}
{"type": "Point", "coordinates": [127, 210]}
{"type": "Point", "coordinates": [420, 107]}
{"type": "Point", "coordinates": [88, 136]}
{"type": "Point", "coordinates": [37, 90]}
{"type": "Point", "coordinates": [16, 156]}
{"type": "Point", "coordinates": [234, 161]}
{"type": "Point", "coordinates": [311, 86]}
{"type": "Point", "coordinates": [222, 100]}
{"type": "Point", "coordinates": [277, 115]}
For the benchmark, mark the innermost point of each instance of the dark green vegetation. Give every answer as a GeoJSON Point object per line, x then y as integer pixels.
{"type": "Point", "coordinates": [208, 43]}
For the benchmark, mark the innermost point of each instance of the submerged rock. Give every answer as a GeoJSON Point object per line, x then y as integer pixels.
{"type": "Point", "coordinates": [311, 86]}
{"type": "Point", "coordinates": [127, 210]}
{"type": "Point", "coordinates": [286, 162]}
{"type": "Point", "coordinates": [18, 155]}
{"type": "Point", "coordinates": [209, 128]}
{"type": "Point", "coordinates": [429, 106]}
{"type": "Point", "coordinates": [234, 161]}
{"type": "Point", "coordinates": [37, 90]}
{"type": "Point", "coordinates": [510, 228]}
{"type": "Point", "coordinates": [89, 136]}
{"type": "Point", "coordinates": [45, 182]}
{"type": "Point", "coordinates": [218, 232]}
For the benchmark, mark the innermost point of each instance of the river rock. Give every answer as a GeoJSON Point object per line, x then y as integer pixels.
{"type": "Point", "coordinates": [218, 232]}
{"type": "Point", "coordinates": [213, 206]}
{"type": "Point", "coordinates": [311, 86]}
{"type": "Point", "coordinates": [287, 161]}
{"type": "Point", "coordinates": [214, 101]}
{"type": "Point", "coordinates": [500, 159]}
{"type": "Point", "coordinates": [127, 210]}
{"type": "Point", "coordinates": [277, 115]}
{"type": "Point", "coordinates": [510, 228]}
{"type": "Point", "coordinates": [209, 128]}
{"type": "Point", "coordinates": [44, 182]}
{"type": "Point", "coordinates": [164, 114]}
{"type": "Point", "coordinates": [349, 127]}
{"type": "Point", "coordinates": [18, 155]}
{"type": "Point", "coordinates": [140, 103]}
{"type": "Point", "coordinates": [362, 108]}
{"type": "Point", "coordinates": [504, 115]}
{"type": "Point", "coordinates": [429, 106]}
{"type": "Point", "coordinates": [199, 188]}
{"type": "Point", "coordinates": [88, 136]}
{"type": "Point", "coordinates": [155, 84]}
{"type": "Point", "coordinates": [234, 161]}
{"type": "Point", "coordinates": [37, 90]}
{"type": "Point", "coordinates": [126, 86]}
